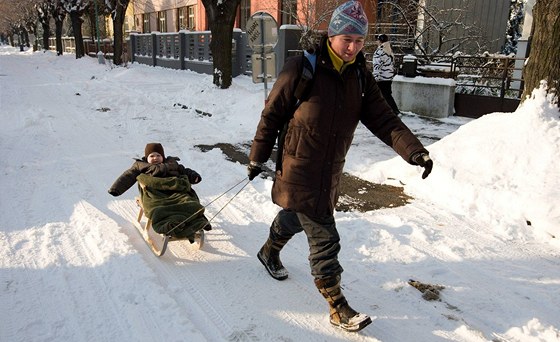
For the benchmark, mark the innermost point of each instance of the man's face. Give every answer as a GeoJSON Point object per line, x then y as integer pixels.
{"type": "Point", "coordinates": [347, 46]}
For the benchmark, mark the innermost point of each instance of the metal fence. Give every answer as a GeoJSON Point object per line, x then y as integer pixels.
{"type": "Point", "coordinates": [68, 44]}
{"type": "Point", "coordinates": [496, 76]}
{"type": "Point", "coordinates": [186, 50]}
{"type": "Point", "coordinates": [91, 46]}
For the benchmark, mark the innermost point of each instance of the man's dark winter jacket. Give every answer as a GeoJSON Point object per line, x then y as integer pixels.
{"type": "Point", "coordinates": [321, 131]}
{"type": "Point", "coordinates": [169, 168]}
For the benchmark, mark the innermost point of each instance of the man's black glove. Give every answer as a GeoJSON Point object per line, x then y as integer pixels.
{"type": "Point", "coordinates": [423, 159]}
{"type": "Point", "coordinates": [254, 169]}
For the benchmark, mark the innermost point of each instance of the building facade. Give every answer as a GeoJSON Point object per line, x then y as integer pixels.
{"type": "Point", "coordinates": [401, 19]}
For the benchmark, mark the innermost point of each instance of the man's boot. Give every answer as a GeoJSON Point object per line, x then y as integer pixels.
{"type": "Point", "coordinates": [269, 256]}
{"type": "Point", "coordinates": [341, 314]}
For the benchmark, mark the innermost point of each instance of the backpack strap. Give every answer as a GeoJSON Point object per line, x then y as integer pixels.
{"type": "Point", "coordinates": [301, 94]}
{"type": "Point", "coordinates": [305, 82]}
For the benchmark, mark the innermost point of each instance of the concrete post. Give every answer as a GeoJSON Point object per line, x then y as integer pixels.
{"type": "Point", "coordinates": [288, 40]}
{"type": "Point", "coordinates": [182, 48]}
{"type": "Point", "coordinates": [154, 49]}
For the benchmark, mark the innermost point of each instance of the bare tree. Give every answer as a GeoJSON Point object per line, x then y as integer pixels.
{"type": "Point", "coordinates": [544, 59]}
{"type": "Point", "coordinates": [30, 22]}
{"type": "Point", "coordinates": [44, 10]}
{"type": "Point", "coordinates": [429, 27]}
{"type": "Point", "coordinates": [76, 9]}
{"type": "Point", "coordinates": [118, 12]}
{"type": "Point", "coordinates": [18, 17]}
{"type": "Point", "coordinates": [58, 13]}
{"type": "Point", "coordinates": [221, 17]}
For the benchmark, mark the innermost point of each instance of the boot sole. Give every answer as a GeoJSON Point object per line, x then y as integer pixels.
{"type": "Point", "coordinates": [355, 327]}
{"type": "Point", "coordinates": [277, 277]}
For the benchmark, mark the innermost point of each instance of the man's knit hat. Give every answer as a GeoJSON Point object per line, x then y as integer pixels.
{"type": "Point", "coordinates": [154, 147]}
{"type": "Point", "coordinates": [348, 18]}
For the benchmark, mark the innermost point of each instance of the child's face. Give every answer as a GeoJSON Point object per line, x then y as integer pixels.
{"type": "Point", "coordinates": [155, 158]}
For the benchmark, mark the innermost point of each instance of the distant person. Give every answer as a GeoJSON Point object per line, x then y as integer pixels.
{"type": "Point", "coordinates": [307, 179]}
{"type": "Point", "coordinates": [171, 201]}
{"type": "Point", "coordinates": [384, 70]}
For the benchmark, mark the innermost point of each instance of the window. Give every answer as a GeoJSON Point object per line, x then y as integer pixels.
{"type": "Point", "coordinates": [191, 23]}
{"type": "Point", "coordinates": [146, 23]}
{"type": "Point", "coordinates": [244, 13]}
{"type": "Point", "coordinates": [162, 22]}
{"type": "Point", "coordinates": [181, 19]}
{"type": "Point", "coordinates": [185, 18]}
{"type": "Point", "coordinates": [128, 25]}
{"type": "Point", "coordinates": [289, 12]}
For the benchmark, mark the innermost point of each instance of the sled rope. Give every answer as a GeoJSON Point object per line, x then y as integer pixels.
{"type": "Point", "coordinates": [231, 199]}
{"type": "Point", "coordinates": [212, 201]}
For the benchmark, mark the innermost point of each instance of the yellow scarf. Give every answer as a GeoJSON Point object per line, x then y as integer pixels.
{"type": "Point", "coordinates": [338, 63]}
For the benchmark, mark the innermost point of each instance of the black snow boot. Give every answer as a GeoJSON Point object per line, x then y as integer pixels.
{"type": "Point", "coordinates": [341, 314]}
{"type": "Point", "coordinates": [269, 256]}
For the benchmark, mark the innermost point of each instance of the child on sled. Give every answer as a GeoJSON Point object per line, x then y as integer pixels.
{"type": "Point", "coordinates": [166, 195]}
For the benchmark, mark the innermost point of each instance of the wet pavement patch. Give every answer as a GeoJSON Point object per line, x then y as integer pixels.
{"type": "Point", "coordinates": [355, 194]}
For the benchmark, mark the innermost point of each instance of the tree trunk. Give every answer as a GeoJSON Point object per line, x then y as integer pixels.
{"type": "Point", "coordinates": [118, 24]}
{"type": "Point", "coordinates": [58, 37]}
{"type": "Point", "coordinates": [76, 19]}
{"type": "Point", "coordinates": [25, 34]}
{"type": "Point", "coordinates": [221, 16]}
{"type": "Point", "coordinates": [221, 46]}
{"type": "Point", "coordinates": [544, 58]}
{"type": "Point", "coordinates": [46, 35]}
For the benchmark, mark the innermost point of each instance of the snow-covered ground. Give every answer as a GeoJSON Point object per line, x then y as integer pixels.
{"type": "Point", "coordinates": [485, 224]}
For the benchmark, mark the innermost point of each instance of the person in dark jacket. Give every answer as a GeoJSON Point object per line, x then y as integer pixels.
{"type": "Point", "coordinates": [318, 137]}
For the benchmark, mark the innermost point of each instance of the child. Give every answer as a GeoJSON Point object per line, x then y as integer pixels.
{"type": "Point", "coordinates": [166, 193]}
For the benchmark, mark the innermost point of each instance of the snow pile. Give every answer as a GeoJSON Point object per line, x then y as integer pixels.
{"type": "Point", "coordinates": [501, 169]}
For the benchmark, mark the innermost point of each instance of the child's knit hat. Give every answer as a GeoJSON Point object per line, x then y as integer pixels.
{"type": "Point", "coordinates": [154, 147]}
{"type": "Point", "coordinates": [348, 18]}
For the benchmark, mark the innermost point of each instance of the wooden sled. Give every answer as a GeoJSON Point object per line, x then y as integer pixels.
{"type": "Point", "coordinates": [158, 242]}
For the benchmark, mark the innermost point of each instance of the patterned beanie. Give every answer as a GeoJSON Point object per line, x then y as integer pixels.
{"type": "Point", "coordinates": [348, 18]}
{"type": "Point", "coordinates": [153, 147]}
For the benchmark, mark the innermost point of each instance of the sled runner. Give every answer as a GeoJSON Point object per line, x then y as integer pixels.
{"type": "Point", "coordinates": [158, 242]}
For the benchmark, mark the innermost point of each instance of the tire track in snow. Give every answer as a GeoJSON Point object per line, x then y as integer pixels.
{"type": "Point", "coordinates": [24, 289]}
{"type": "Point", "coordinates": [135, 305]}
{"type": "Point", "coordinates": [186, 286]}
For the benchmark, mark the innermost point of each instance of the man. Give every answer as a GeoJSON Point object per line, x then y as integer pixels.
{"type": "Point", "coordinates": [384, 70]}
{"type": "Point", "coordinates": [319, 135]}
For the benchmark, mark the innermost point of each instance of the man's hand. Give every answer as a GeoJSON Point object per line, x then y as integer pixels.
{"type": "Point", "coordinates": [254, 169]}
{"type": "Point", "coordinates": [423, 159]}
